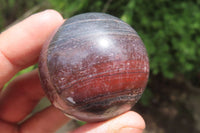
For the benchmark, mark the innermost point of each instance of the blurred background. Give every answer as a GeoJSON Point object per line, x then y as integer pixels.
{"type": "Point", "coordinates": [170, 31]}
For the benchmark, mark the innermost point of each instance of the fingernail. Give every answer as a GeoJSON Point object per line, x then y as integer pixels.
{"type": "Point", "coordinates": [130, 130]}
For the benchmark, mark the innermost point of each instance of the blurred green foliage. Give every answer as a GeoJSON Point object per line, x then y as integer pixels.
{"type": "Point", "coordinates": [11, 10]}
{"type": "Point", "coordinates": [170, 29]}
{"type": "Point", "coordinates": [146, 98]}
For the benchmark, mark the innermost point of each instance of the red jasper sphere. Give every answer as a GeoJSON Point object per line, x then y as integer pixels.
{"type": "Point", "coordinates": [94, 68]}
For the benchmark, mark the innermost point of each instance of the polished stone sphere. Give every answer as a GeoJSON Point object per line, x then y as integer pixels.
{"type": "Point", "coordinates": [95, 67]}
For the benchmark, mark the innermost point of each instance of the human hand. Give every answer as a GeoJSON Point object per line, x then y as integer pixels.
{"type": "Point", "coordinates": [20, 46]}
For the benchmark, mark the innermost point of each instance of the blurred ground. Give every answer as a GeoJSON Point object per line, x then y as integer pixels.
{"type": "Point", "coordinates": [173, 109]}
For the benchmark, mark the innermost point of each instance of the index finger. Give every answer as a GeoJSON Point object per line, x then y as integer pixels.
{"type": "Point", "coordinates": [20, 45]}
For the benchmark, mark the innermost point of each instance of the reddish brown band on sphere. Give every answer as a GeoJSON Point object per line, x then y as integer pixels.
{"type": "Point", "coordinates": [94, 68]}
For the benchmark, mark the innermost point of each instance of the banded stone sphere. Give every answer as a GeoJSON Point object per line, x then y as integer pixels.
{"type": "Point", "coordinates": [94, 68]}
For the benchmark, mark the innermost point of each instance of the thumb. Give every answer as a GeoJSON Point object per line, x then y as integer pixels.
{"type": "Point", "coordinates": [130, 122]}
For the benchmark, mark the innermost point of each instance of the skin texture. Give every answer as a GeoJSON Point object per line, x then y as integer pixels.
{"type": "Point", "coordinates": [20, 46]}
